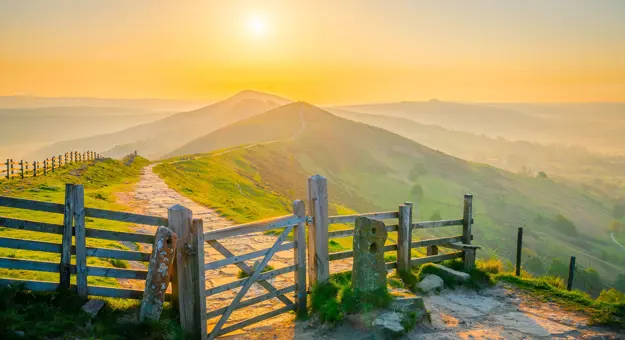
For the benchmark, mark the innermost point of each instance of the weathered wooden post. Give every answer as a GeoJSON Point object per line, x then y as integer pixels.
{"type": "Point", "coordinates": [180, 219]}
{"type": "Point", "coordinates": [519, 250]}
{"type": "Point", "coordinates": [431, 250]}
{"type": "Point", "coordinates": [404, 237]}
{"type": "Point", "coordinates": [160, 269]}
{"type": "Point", "coordinates": [12, 168]}
{"type": "Point", "coordinates": [22, 169]}
{"type": "Point", "coordinates": [34, 168]}
{"type": "Point", "coordinates": [467, 223]}
{"type": "Point", "coordinates": [45, 167]}
{"type": "Point", "coordinates": [299, 258]}
{"type": "Point", "coordinates": [66, 241]}
{"type": "Point", "coordinates": [63, 163]}
{"type": "Point", "coordinates": [569, 283]}
{"type": "Point", "coordinates": [198, 281]}
{"type": "Point", "coordinates": [8, 168]}
{"type": "Point", "coordinates": [318, 255]}
{"type": "Point", "coordinates": [80, 240]}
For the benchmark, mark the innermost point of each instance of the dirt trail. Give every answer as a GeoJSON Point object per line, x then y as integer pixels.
{"type": "Point", "coordinates": [502, 312]}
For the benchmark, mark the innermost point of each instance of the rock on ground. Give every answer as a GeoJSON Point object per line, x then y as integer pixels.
{"type": "Point", "coordinates": [389, 323]}
{"type": "Point", "coordinates": [431, 283]}
{"type": "Point", "coordinates": [460, 276]}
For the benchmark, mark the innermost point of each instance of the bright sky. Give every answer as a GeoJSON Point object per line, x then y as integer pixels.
{"type": "Point", "coordinates": [322, 51]}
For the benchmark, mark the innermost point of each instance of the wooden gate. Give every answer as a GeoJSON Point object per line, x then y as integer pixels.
{"type": "Point", "coordinates": [291, 223]}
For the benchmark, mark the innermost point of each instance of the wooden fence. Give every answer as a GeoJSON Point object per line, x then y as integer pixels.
{"type": "Point", "coordinates": [188, 280]}
{"type": "Point", "coordinates": [22, 168]}
{"type": "Point", "coordinates": [319, 235]}
{"type": "Point", "coordinates": [74, 213]}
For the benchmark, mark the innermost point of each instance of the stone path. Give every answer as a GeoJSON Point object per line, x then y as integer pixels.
{"type": "Point", "coordinates": [154, 197]}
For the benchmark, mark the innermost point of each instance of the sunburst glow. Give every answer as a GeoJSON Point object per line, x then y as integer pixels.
{"type": "Point", "coordinates": [257, 26]}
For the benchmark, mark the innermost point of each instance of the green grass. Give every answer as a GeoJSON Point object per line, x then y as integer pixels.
{"type": "Point", "coordinates": [331, 301]}
{"type": "Point", "coordinates": [101, 179]}
{"type": "Point", "coordinates": [241, 274]}
{"type": "Point", "coordinates": [56, 315]}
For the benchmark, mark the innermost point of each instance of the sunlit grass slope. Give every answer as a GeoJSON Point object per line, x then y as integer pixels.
{"type": "Point", "coordinates": [370, 169]}
{"type": "Point", "coordinates": [101, 180]}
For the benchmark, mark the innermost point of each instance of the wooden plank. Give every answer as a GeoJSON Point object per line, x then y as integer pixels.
{"type": "Point", "coordinates": [299, 258]}
{"type": "Point", "coordinates": [119, 273]}
{"type": "Point", "coordinates": [252, 301]}
{"type": "Point", "coordinates": [115, 292]}
{"type": "Point", "coordinates": [256, 319]}
{"type": "Point", "coordinates": [435, 258]}
{"type": "Point", "coordinates": [258, 226]}
{"type": "Point", "coordinates": [198, 280]}
{"type": "Point", "coordinates": [437, 224]}
{"type": "Point", "coordinates": [129, 255]}
{"type": "Point", "coordinates": [180, 223]}
{"type": "Point", "coordinates": [22, 264]}
{"type": "Point", "coordinates": [42, 227]}
{"type": "Point", "coordinates": [435, 241]}
{"type": "Point", "coordinates": [404, 237]}
{"type": "Point", "coordinates": [119, 236]}
{"type": "Point", "coordinates": [350, 253]}
{"type": "Point", "coordinates": [80, 240]}
{"type": "Point", "coordinates": [247, 269]}
{"type": "Point", "coordinates": [318, 254]}
{"type": "Point", "coordinates": [13, 243]}
{"type": "Point", "coordinates": [239, 283]}
{"type": "Point", "coordinates": [340, 233]}
{"type": "Point", "coordinates": [19, 203]}
{"type": "Point", "coordinates": [248, 283]}
{"type": "Point", "coordinates": [122, 216]}
{"type": "Point", "coordinates": [352, 218]}
{"type": "Point", "coordinates": [35, 286]}
{"type": "Point", "coordinates": [460, 246]}
{"type": "Point", "coordinates": [467, 219]}
{"type": "Point", "coordinates": [240, 258]}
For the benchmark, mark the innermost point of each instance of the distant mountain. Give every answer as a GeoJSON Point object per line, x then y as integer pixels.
{"type": "Point", "coordinates": [371, 169]}
{"type": "Point", "coordinates": [155, 139]}
{"type": "Point", "coordinates": [592, 125]}
{"type": "Point", "coordinates": [25, 130]}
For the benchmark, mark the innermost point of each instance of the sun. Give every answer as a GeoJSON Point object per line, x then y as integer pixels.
{"type": "Point", "coordinates": [257, 26]}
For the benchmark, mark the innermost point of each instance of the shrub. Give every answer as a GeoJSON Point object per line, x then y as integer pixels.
{"type": "Point", "coordinates": [490, 266]}
{"type": "Point", "coordinates": [611, 296]}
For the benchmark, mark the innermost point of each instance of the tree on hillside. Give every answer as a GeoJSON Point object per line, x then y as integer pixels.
{"type": "Point", "coordinates": [542, 174]}
{"type": "Point", "coordinates": [563, 225]}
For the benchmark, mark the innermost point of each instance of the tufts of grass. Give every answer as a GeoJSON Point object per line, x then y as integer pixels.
{"type": "Point", "coordinates": [332, 300]}
{"type": "Point", "coordinates": [59, 315]}
{"type": "Point", "coordinates": [241, 274]}
{"type": "Point", "coordinates": [119, 263]}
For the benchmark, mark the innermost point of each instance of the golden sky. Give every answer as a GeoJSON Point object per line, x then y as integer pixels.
{"type": "Point", "coordinates": [322, 51]}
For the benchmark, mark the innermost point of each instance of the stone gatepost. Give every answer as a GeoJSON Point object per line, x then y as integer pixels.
{"type": "Point", "coordinates": [369, 270]}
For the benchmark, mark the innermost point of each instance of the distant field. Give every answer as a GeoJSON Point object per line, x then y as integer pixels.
{"type": "Point", "coordinates": [101, 179]}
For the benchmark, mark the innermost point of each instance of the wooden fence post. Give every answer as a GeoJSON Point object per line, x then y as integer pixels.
{"type": "Point", "coordinates": [318, 255]}
{"type": "Point", "coordinates": [467, 223]}
{"type": "Point", "coordinates": [404, 237]}
{"type": "Point", "coordinates": [569, 284]}
{"type": "Point", "coordinates": [66, 243]}
{"type": "Point", "coordinates": [34, 168]}
{"type": "Point", "coordinates": [64, 163]}
{"type": "Point", "coordinates": [81, 240]}
{"type": "Point", "coordinates": [198, 327]}
{"type": "Point", "coordinates": [519, 250]}
{"type": "Point", "coordinates": [431, 250]}
{"type": "Point", "coordinates": [159, 274]}
{"type": "Point", "coordinates": [299, 258]}
{"type": "Point", "coordinates": [8, 168]}
{"type": "Point", "coordinates": [45, 167]}
{"type": "Point", "coordinates": [22, 168]}
{"type": "Point", "coordinates": [179, 219]}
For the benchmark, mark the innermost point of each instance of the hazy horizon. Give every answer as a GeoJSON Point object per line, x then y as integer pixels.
{"type": "Point", "coordinates": [321, 52]}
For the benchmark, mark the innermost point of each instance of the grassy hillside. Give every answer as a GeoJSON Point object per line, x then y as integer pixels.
{"type": "Point", "coordinates": [371, 169]}
{"type": "Point", "coordinates": [101, 180]}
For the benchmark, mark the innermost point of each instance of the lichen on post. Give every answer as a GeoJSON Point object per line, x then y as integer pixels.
{"type": "Point", "coordinates": [159, 274]}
